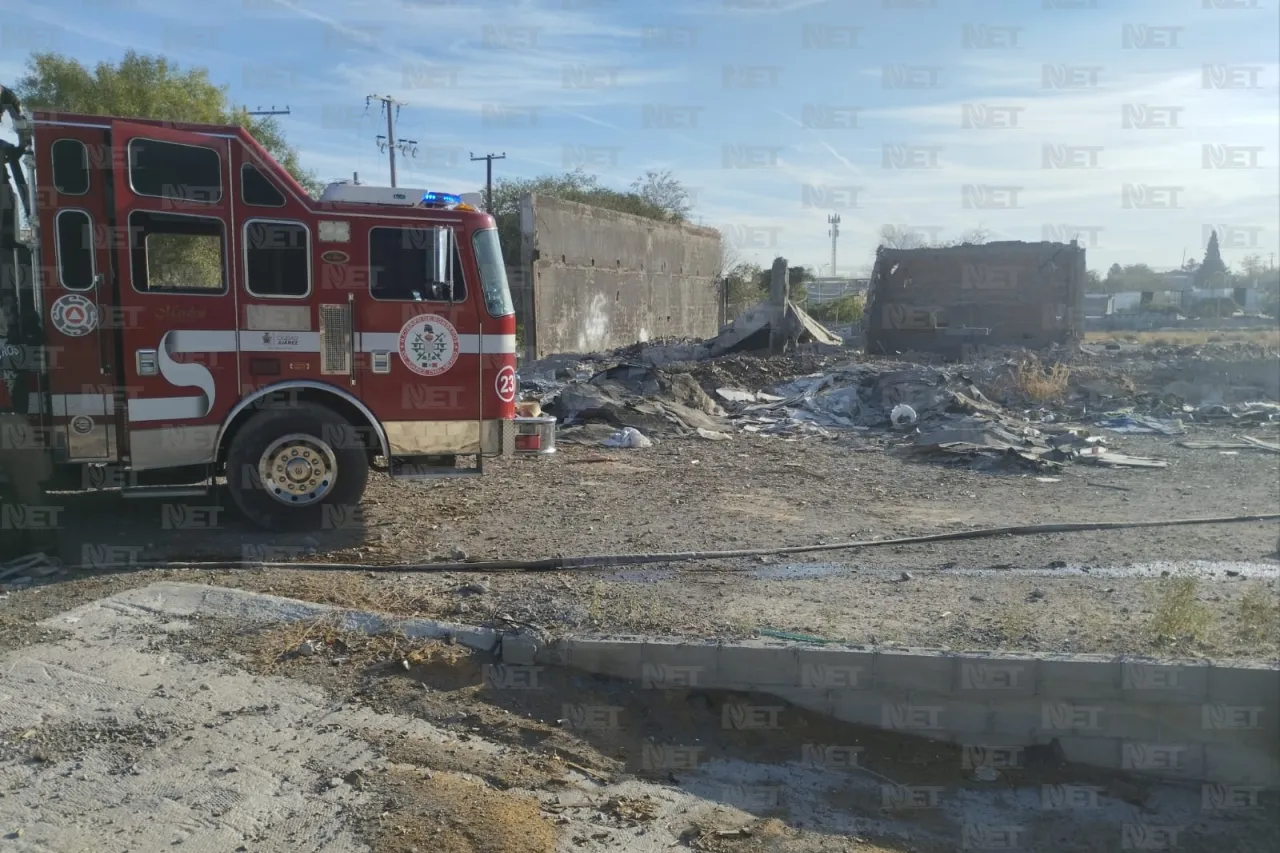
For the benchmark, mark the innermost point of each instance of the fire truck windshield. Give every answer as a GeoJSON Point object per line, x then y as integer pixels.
{"type": "Point", "coordinates": [493, 273]}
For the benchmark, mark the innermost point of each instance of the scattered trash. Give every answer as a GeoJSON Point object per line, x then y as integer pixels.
{"type": "Point", "coordinates": [713, 435]}
{"type": "Point", "coordinates": [627, 437]}
{"type": "Point", "coordinates": [732, 395]}
{"type": "Point", "coordinates": [307, 648]}
{"type": "Point", "coordinates": [903, 415]}
{"type": "Point", "coordinates": [1245, 443]}
{"type": "Point", "coordinates": [1099, 455]}
{"type": "Point", "coordinates": [985, 773]}
{"type": "Point", "coordinates": [1128, 422]}
{"type": "Point", "coordinates": [22, 572]}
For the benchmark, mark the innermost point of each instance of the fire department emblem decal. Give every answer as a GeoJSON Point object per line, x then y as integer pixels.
{"type": "Point", "coordinates": [74, 315]}
{"type": "Point", "coordinates": [428, 344]}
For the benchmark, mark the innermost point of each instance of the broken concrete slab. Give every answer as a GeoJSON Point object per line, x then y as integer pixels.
{"type": "Point", "coordinates": [751, 330]}
{"type": "Point", "coordinates": [190, 599]}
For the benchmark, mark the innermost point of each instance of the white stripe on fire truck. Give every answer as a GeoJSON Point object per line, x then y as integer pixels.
{"type": "Point", "coordinates": [309, 342]}
{"type": "Point", "coordinates": [467, 344]}
{"type": "Point", "coordinates": [202, 340]}
{"type": "Point", "coordinates": [167, 408]}
{"type": "Point", "coordinates": [70, 405]}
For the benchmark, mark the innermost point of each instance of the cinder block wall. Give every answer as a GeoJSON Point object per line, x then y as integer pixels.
{"type": "Point", "coordinates": [602, 279]}
{"type": "Point", "coordinates": [1189, 720]}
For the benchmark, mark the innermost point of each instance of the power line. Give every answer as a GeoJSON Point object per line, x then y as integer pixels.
{"type": "Point", "coordinates": [488, 177]}
{"type": "Point", "coordinates": [834, 221]}
{"type": "Point", "coordinates": [390, 143]}
{"type": "Point", "coordinates": [271, 112]}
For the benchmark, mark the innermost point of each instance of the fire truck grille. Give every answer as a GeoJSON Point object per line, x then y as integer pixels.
{"type": "Point", "coordinates": [335, 339]}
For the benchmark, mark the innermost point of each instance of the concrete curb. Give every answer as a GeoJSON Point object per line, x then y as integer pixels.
{"type": "Point", "coordinates": [188, 599]}
{"type": "Point", "coordinates": [1216, 721]}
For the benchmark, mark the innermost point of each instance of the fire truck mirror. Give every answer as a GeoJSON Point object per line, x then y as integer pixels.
{"type": "Point", "coordinates": [444, 258]}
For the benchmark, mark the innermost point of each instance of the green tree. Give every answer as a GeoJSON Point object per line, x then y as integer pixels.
{"type": "Point", "coordinates": [655, 195]}
{"type": "Point", "coordinates": [797, 277]}
{"type": "Point", "coordinates": [1093, 282]}
{"type": "Point", "coordinates": [742, 286]}
{"type": "Point", "coordinates": [1212, 271]}
{"type": "Point", "coordinates": [1252, 267]}
{"type": "Point", "coordinates": [842, 311]}
{"type": "Point", "coordinates": [1114, 272]}
{"type": "Point", "coordinates": [149, 87]}
{"type": "Point", "coordinates": [665, 192]}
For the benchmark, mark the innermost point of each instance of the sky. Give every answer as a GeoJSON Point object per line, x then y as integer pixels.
{"type": "Point", "coordinates": [1135, 127]}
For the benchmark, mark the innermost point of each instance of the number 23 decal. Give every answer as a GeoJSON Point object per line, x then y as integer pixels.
{"type": "Point", "coordinates": [505, 384]}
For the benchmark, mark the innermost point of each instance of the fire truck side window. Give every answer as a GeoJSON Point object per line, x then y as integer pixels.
{"type": "Point", "coordinates": [402, 267]}
{"type": "Point", "coordinates": [70, 167]}
{"type": "Point", "coordinates": [257, 190]}
{"type": "Point", "coordinates": [277, 259]}
{"type": "Point", "coordinates": [169, 170]}
{"type": "Point", "coordinates": [176, 254]}
{"type": "Point", "coordinates": [75, 250]}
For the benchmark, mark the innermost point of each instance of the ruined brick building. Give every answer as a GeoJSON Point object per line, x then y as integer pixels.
{"type": "Point", "coordinates": [957, 300]}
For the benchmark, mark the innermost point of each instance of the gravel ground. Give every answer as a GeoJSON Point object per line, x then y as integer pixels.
{"type": "Point", "coordinates": [1063, 592]}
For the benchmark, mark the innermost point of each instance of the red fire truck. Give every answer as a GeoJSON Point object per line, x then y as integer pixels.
{"type": "Point", "coordinates": [177, 309]}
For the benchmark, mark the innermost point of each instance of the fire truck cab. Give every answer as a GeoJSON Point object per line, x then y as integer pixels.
{"type": "Point", "coordinates": [177, 310]}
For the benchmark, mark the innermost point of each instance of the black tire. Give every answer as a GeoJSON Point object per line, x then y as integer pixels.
{"type": "Point", "coordinates": [323, 430]}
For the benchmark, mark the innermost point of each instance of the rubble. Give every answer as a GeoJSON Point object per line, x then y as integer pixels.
{"type": "Point", "coordinates": [751, 331]}
{"type": "Point", "coordinates": [641, 398]}
{"type": "Point", "coordinates": [988, 413]}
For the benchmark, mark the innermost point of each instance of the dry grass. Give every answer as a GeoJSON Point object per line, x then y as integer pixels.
{"type": "Point", "coordinates": [1269, 337]}
{"type": "Point", "coordinates": [271, 649]}
{"type": "Point", "coordinates": [1041, 383]}
{"type": "Point", "coordinates": [386, 594]}
{"type": "Point", "coordinates": [1179, 616]}
{"type": "Point", "coordinates": [1258, 617]}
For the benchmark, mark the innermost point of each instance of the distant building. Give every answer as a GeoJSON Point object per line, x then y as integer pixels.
{"type": "Point", "coordinates": [1099, 304]}
{"type": "Point", "coordinates": [822, 290]}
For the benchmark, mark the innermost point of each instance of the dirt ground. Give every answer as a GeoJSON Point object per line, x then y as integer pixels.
{"type": "Point", "coordinates": [1081, 592]}
{"type": "Point", "coordinates": [463, 797]}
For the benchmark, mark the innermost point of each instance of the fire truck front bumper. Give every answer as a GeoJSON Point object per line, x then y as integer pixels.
{"type": "Point", "coordinates": [450, 438]}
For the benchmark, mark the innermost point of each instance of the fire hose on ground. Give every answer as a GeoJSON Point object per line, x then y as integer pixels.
{"type": "Point", "coordinates": [602, 561]}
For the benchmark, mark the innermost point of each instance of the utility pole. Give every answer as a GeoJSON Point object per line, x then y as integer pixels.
{"type": "Point", "coordinates": [271, 112]}
{"type": "Point", "coordinates": [391, 141]}
{"type": "Point", "coordinates": [834, 221]}
{"type": "Point", "coordinates": [488, 177]}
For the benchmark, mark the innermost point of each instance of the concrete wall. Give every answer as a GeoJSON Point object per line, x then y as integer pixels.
{"type": "Point", "coordinates": [1190, 720]}
{"type": "Point", "coordinates": [600, 279]}
{"type": "Point", "coordinates": [1008, 294]}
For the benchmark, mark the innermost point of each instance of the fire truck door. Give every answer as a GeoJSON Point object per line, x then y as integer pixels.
{"type": "Point", "coordinates": [79, 294]}
{"type": "Point", "coordinates": [178, 282]}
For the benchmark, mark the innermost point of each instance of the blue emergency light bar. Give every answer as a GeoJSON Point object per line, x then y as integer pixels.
{"type": "Point", "coordinates": [435, 199]}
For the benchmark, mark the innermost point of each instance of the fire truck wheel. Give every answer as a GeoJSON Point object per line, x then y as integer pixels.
{"type": "Point", "coordinates": [285, 465]}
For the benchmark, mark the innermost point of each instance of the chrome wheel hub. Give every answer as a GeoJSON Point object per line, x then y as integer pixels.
{"type": "Point", "coordinates": [298, 469]}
